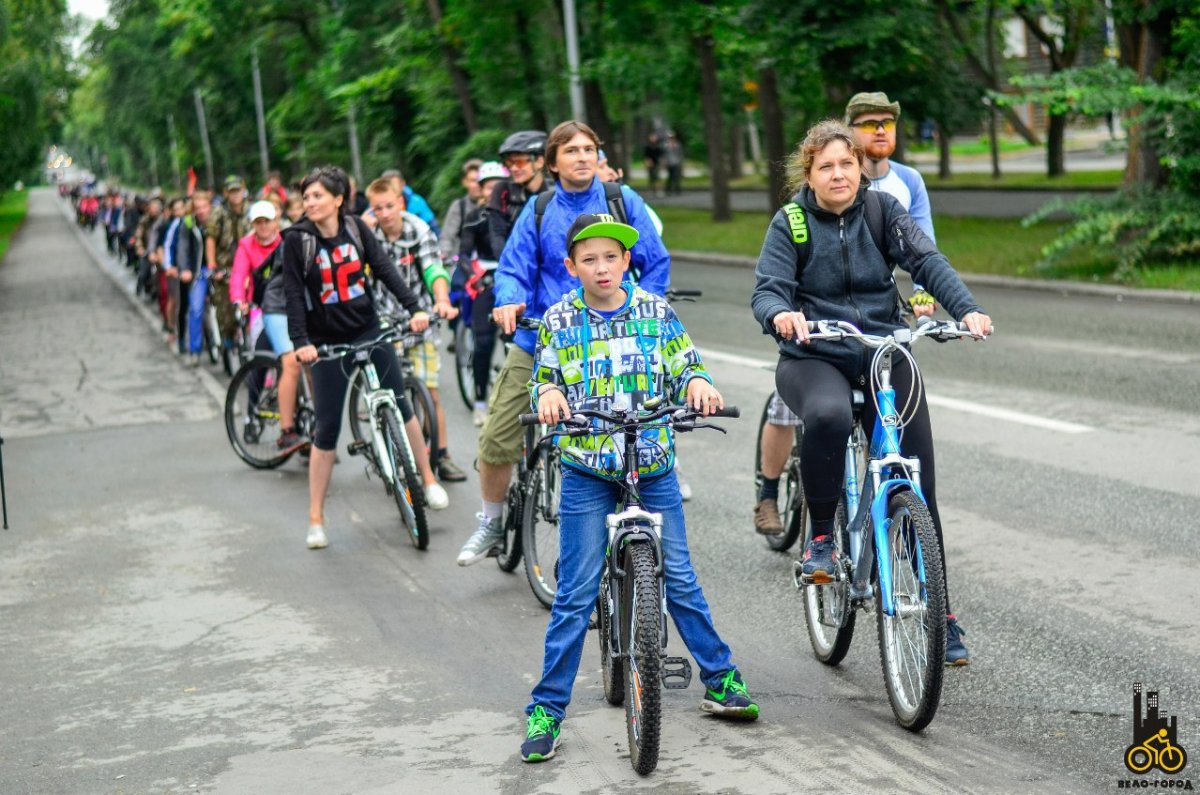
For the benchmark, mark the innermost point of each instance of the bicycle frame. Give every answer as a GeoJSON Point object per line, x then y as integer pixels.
{"type": "Point", "coordinates": [376, 398]}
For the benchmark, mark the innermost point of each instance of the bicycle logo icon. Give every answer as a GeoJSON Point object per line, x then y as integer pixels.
{"type": "Point", "coordinates": [1169, 758]}
{"type": "Point", "coordinates": [1154, 738]}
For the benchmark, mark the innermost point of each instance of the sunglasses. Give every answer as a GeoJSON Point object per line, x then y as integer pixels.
{"type": "Point", "coordinates": [518, 161]}
{"type": "Point", "coordinates": [887, 125]}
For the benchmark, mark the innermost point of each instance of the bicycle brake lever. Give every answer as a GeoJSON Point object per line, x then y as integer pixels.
{"type": "Point", "coordinates": [696, 425]}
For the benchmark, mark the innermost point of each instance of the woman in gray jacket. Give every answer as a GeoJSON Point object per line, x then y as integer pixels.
{"type": "Point", "coordinates": [820, 261]}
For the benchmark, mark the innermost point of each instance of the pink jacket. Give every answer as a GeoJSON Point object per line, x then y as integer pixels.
{"type": "Point", "coordinates": [249, 256]}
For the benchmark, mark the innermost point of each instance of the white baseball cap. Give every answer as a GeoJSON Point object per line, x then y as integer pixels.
{"type": "Point", "coordinates": [262, 209]}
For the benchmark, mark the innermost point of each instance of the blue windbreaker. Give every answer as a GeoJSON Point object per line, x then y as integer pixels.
{"type": "Point", "coordinates": [519, 270]}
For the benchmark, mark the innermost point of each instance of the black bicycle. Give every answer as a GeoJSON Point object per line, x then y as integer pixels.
{"type": "Point", "coordinates": [631, 604]}
{"type": "Point", "coordinates": [252, 412]}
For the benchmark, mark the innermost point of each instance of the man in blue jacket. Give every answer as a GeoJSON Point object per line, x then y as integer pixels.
{"type": "Point", "coordinates": [531, 277]}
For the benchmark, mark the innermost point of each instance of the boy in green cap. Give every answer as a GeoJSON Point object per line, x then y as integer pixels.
{"type": "Point", "coordinates": [611, 345]}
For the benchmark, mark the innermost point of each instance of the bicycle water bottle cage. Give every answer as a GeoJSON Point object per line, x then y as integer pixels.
{"type": "Point", "coordinates": [676, 673]}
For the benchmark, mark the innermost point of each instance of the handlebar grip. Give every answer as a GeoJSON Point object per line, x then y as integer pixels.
{"type": "Point", "coordinates": [685, 293]}
{"type": "Point", "coordinates": [530, 419]}
{"type": "Point", "coordinates": [729, 411]}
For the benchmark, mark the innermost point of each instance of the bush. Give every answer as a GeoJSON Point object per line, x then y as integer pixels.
{"type": "Point", "coordinates": [447, 184]}
{"type": "Point", "coordinates": [1137, 229]}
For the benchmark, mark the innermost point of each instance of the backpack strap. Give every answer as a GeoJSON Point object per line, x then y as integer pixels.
{"type": "Point", "coordinates": [798, 224]}
{"type": "Point", "coordinates": [539, 209]}
{"type": "Point", "coordinates": [616, 201]}
{"type": "Point", "coordinates": [873, 210]}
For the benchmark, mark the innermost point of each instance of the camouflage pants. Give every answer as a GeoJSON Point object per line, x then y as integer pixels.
{"type": "Point", "coordinates": [218, 293]}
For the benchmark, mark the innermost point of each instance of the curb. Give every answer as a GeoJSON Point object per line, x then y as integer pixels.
{"type": "Point", "coordinates": [206, 379]}
{"type": "Point", "coordinates": [1113, 291]}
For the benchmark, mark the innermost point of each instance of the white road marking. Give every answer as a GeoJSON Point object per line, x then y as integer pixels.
{"type": "Point", "coordinates": [967, 406]}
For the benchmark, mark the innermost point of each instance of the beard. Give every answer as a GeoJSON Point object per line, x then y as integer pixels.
{"type": "Point", "coordinates": [878, 151]}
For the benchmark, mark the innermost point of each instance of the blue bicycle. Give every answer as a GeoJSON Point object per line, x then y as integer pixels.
{"type": "Point", "coordinates": [891, 559]}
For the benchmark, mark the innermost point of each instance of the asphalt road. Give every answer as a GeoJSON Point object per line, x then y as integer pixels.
{"type": "Point", "coordinates": [165, 629]}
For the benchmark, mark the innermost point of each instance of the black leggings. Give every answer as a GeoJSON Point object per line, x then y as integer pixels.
{"type": "Point", "coordinates": [819, 394]}
{"type": "Point", "coordinates": [331, 378]}
{"type": "Point", "coordinates": [485, 340]}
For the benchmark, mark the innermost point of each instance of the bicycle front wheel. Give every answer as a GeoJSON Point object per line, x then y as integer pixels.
{"type": "Point", "coordinates": [539, 528]}
{"type": "Point", "coordinates": [642, 641]}
{"type": "Point", "coordinates": [252, 413]}
{"type": "Point", "coordinates": [912, 639]}
{"type": "Point", "coordinates": [827, 610]}
{"type": "Point", "coordinates": [407, 488]}
{"type": "Point", "coordinates": [464, 357]}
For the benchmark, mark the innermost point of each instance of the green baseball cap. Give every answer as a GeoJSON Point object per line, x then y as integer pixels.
{"type": "Point", "coordinates": [591, 225]}
{"type": "Point", "coordinates": [234, 182]}
{"type": "Point", "coordinates": [870, 102]}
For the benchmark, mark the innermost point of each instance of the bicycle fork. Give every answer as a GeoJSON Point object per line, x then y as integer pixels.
{"type": "Point", "coordinates": [637, 526]}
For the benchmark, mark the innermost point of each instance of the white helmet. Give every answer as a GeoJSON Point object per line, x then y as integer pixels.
{"type": "Point", "coordinates": [492, 170]}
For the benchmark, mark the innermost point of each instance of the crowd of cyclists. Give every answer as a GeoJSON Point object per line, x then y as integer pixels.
{"type": "Point", "coordinates": [546, 229]}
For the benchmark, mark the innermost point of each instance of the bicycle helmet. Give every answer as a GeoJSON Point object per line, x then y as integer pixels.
{"type": "Point", "coordinates": [530, 142]}
{"type": "Point", "coordinates": [492, 170]}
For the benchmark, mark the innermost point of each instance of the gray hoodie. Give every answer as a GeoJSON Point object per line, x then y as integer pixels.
{"type": "Point", "coordinates": [847, 278]}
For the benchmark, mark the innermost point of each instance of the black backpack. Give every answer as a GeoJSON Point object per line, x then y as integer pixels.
{"type": "Point", "coordinates": [616, 208]}
{"type": "Point", "coordinates": [272, 267]}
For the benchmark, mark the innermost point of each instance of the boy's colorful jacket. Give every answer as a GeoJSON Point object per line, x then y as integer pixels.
{"type": "Point", "coordinates": [643, 351]}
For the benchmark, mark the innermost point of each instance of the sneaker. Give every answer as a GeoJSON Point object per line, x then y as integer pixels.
{"type": "Point", "coordinates": [819, 562]}
{"type": "Point", "coordinates": [956, 650]}
{"type": "Point", "coordinates": [479, 417]}
{"type": "Point", "coordinates": [766, 517]}
{"type": "Point", "coordinates": [289, 441]}
{"type": "Point", "coordinates": [316, 537]}
{"type": "Point", "coordinates": [450, 471]}
{"type": "Point", "coordinates": [731, 701]}
{"type": "Point", "coordinates": [436, 497]}
{"type": "Point", "coordinates": [541, 736]}
{"type": "Point", "coordinates": [685, 491]}
{"type": "Point", "coordinates": [489, 536]}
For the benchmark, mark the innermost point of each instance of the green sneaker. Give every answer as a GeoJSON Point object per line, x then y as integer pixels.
{"type": "Point", "coordinates": [541, 737]}
{"type": "Point", "coordinates": [731, 701]}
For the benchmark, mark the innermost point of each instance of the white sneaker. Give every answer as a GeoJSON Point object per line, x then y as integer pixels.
{"type": "Point", "coordinates": [685, 491]}
{"type": "Point", "coordinates": [479, 417]}
{"type": "Point", "coordinates": [436, 497]}
{"type": "Point", "coordinates": [316, 537]}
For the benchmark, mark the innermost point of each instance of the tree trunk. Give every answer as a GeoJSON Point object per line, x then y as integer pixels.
{"type": "Point", "coordinates": [597, 113]}
{"type": "Point", "coordinates": [943, 151]}
{"type": "Point", "coordinates": [1055, 133]}
{"type": "Point", "coordinates": [737, 146]}
{"type": "Point", "coordinates": [458, 76]}
{"type": "Point", "coordinates": [710, 95]}
{"type": "Point", "coordinates": [532, 84]}
{"type": "Point", "coordinates": [993, 126]}
{"type": "Point", "coordinates": [1142, 48]}
{"type": "Point", "coordinates": [772, 115]}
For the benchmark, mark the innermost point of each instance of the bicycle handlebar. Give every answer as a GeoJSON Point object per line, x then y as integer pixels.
{"type": "Point", "coordinates": [682, 295]}
{"type": "Point", "coordinates": [389, 334]}
{"type": "Point", "coordinates": [941, 331]}
{"type": "Point", "coordinates": [679, 415]}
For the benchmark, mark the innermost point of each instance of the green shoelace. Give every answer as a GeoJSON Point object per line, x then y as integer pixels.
{"type": "Point", "coordinates": [541, 722]}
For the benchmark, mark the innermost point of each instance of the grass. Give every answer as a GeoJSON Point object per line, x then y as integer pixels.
{"type": "Point", "coordinates": [1090, 180]}
{"type": "Point", "coordinates": [13, 206]}
{"type": "Point", "coordinates": [1000, 246]}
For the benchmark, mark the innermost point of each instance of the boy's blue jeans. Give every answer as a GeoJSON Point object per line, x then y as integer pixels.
{"type": "Point", "coordinates": [586, 500]}
{"type": "Point", "coordinates": [198, 293]}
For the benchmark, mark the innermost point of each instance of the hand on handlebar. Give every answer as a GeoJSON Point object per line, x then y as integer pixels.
{"type": "Point", "coordinates": [553, 407]}
{"type": "Point", "coordinates": [506, 317]}
{"type": "Point", "coordinates": [979, 324]}
{"type": "Point", "coordinates": [791, 326]}
{"type": "Point", "coordinates": [704, 397]}
{"type": "Point", "coordinates": [308, 354]}
{"type": "Point", "coordinates": [419, 321]}
{"type": "Point", "coordinates": [445, 310]}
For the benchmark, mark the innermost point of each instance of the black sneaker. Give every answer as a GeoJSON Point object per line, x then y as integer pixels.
{"type": "Point", "coordinates": [289, 441]}
{"type": "Point", "coordinates": [541, 736]}
{"type": "Point", "coordinates": [956, 650]}
{"type": "Point", "coordinates": [819, 563]}
{"type": "Point", "coordinates": [731, 701]}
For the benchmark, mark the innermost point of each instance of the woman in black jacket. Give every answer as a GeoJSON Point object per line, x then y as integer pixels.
{"type": "Point", "coordinates": [819, 261]}
{"type": "Point", "coordinates": [329, 302]}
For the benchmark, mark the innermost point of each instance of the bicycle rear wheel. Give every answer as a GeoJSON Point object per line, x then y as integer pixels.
{"type": "Point", "coordinates": [642, 641]}
{"type": "Point", "coordinates": [212, 334]}
{"type": "Point", "coordinates": [912, 641]}
{"type": "Point", "coordinates": [539, 528]}
{"type": "Point", "coordinates": [612, 670]}
{"type": "Point", "coordinates": [252, 413]}
{"type": "Point", "coordinates": [793, 510]}
{"type": "Point", "coordinates": [827, 610]}
{"type": "Point", "coordinates": [407, 490]}
{"type": "Point", "coordinates": [464, 356]}
{"type": "Point", "coordinates": [423, 408]}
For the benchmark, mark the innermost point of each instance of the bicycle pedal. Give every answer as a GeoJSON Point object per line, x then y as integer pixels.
{"type": "Point", "coordinates": [676, 673]}
{"type": "Point", "coordinates": [357, 448]}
